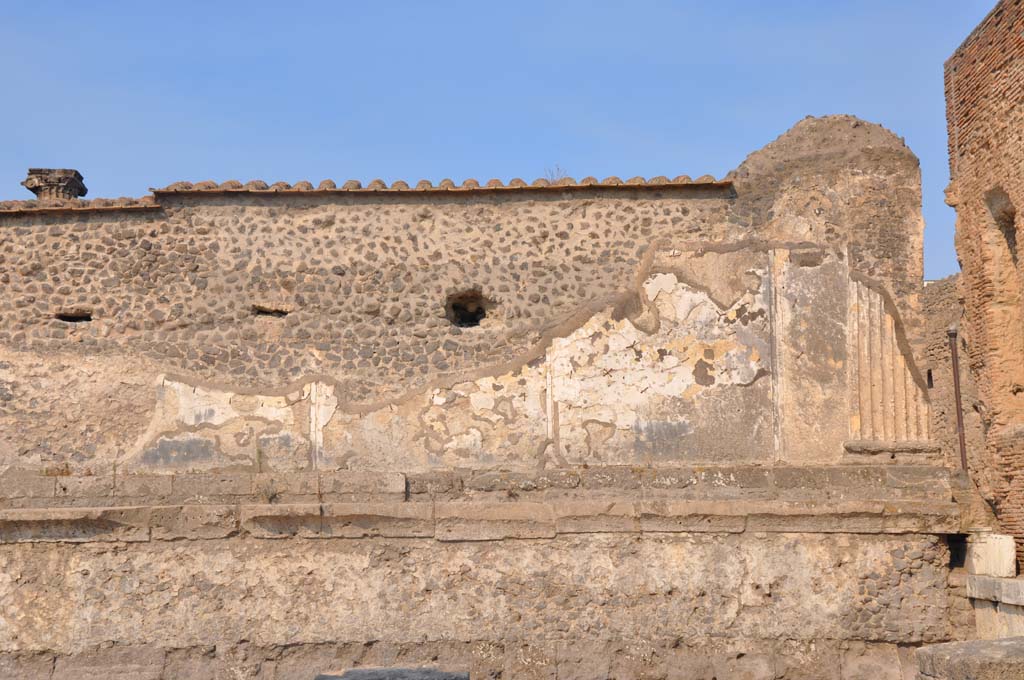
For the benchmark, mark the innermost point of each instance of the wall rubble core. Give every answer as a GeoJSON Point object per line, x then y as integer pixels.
{"type": "Point", "coordinates": [686, 432]}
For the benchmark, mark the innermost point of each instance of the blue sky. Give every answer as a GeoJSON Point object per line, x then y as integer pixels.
{"type": "Point", "coordinates": [136, 95]}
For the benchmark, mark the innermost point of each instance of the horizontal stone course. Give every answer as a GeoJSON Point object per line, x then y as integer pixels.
{"type": "Point", "coordinates": [469, 520]}
{"type": "Point", "coordinates": [476, 505]}
{"type": "Point", "coordinates": [25, 488]}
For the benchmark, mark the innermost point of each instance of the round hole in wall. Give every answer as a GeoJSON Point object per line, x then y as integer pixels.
{"type": "Point", "coordinates": [467, 309]}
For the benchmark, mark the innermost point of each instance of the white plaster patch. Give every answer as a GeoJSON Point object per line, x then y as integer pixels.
{"type": "Point", "coordinates": [607, 376]}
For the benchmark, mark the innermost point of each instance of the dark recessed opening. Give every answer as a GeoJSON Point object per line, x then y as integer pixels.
{"type": "Point", "coordinates": [931, 384]}
{"type": "Point", "coordinates": [467, 309]}
{"type": "Point", "coordinates": [1005, 215]}
{"type": "Point", "coordinates": [957, 550]}
{"type": "Point", "coordinates": [76, 316]}
{"type": "Point", "coordinates": [273, 312]}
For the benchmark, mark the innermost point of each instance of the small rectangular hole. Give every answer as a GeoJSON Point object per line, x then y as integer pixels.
{"type": "Point", "coordinates": [74, 317]}
{"type": "Point", "coordinates": [957, 550]}
{"type": "Point", "coordinates": [260, 310]}
{"type": "Point", "coordinates": [931, 384]}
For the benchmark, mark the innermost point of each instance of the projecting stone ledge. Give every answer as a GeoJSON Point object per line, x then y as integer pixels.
{"type": "Point", "coordinates": [975, 660]}
{"type": "Point", "coordinates": [470, 521]}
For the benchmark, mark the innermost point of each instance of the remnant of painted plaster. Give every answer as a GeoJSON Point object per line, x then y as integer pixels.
{"type": "Point", "coordinates": [196, 428]}
{"type": "Point", "coordinates": [322, 404]}
{"type": "Point", "coordinates": [608, 392]}
{"type": "Point", "coordinates": [604, 393]}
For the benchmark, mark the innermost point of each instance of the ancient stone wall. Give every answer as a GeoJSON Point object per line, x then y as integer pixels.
{"type": "Point", "coordinates": [942, 310]}
{"type": "Point", "coordinates": [985, 91]}
{"type": "Point", "coordinates": [258, 329]}
{"type": "Point", "coordinates": [594, 429]}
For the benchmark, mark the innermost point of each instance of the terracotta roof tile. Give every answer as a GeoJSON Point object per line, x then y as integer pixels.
{"type": "Point", "coordinates": [259, 186]}
{"type": "Point", "coordinates": [469, 184]}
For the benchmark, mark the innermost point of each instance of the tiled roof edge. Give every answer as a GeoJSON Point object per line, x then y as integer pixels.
{"type": "Point", "coordinates": [351, 186]}
{"type": "Point", "coordinates": [443, 185]}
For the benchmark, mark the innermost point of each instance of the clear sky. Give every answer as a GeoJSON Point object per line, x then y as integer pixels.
{"type": "Point", "coordinates": [136, 95]}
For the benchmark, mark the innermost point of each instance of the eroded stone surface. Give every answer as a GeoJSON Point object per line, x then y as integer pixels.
{"type": "Point", "coordinates": [64, 599]}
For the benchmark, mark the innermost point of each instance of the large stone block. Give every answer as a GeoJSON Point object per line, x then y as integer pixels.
{"type": "Point", "coordinates": [364, 520]}
{"type": "Point", "coordinates": [582, 516]}
{"type": "Point", "coordinates": [687, 516]}
{"type": "Point", "coordinates": [282, 521]}
{"type": "Point", "coordinates": [151, 487]}
{"type": "Point", "coordinates": [74, 525]}
{"type": "Point", "coordinates": [20, 488]}
{"type": "Point", "coordinates": [362, 485]}
{"type": "Point", "coordinates": [991, 555]}
{"type": "Point", "coordinates": [172, 522]}
{"type": "Point", "coordinates": [121, 662]}
{"type": "Point", "coordinates": [974, 660]}
{"type": "Point", "coordinates": [865, 661]}
{"type": "Point", "coordinates": [27, 666]}
{"type": "Point", "coordinates": [1008, 590]}
{"type": "Point", "coordinates": [283, 487]}
{"type": "Point", "coordinates": [994, 620]}
{"type": "Point", "coordinates": [206, 488]}
{"type": "Point", "coordinates": [482, 521]}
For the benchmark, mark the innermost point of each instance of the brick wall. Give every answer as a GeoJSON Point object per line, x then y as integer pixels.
{"type": "Point", "coordinates": [985, 111]}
